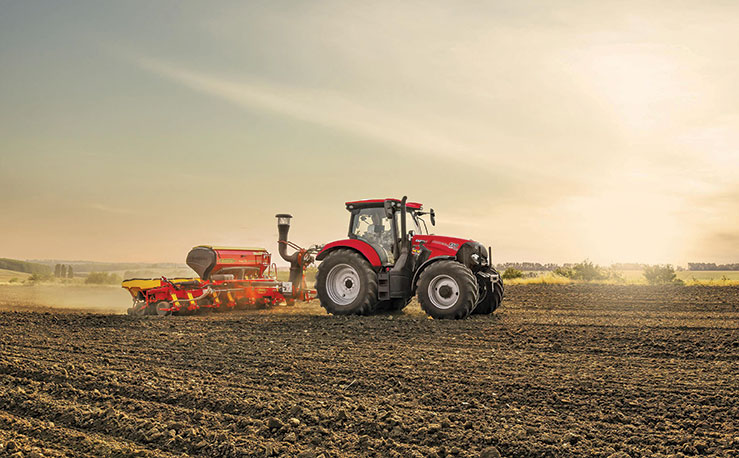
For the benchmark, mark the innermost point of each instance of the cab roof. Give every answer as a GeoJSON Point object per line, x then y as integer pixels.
{"type": "Point", "coordinates": [367, 203]}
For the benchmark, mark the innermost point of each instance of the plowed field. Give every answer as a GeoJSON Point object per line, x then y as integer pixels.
{"type": "Point", "coordinates": [557, 371]}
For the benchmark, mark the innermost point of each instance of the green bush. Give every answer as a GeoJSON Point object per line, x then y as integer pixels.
{"type": "Point", "coordinates": [586, 271]}
{"type": "Point", "coordinates": [511, 273]}
{"type": "Point", "coordinates": [564, 272]}
{"type": "Point", "coordinates": [102, 278]}
{"type": "Point", "coordinates": [660, 275]}
{"type": "Point", "coordinates": [39, 277]}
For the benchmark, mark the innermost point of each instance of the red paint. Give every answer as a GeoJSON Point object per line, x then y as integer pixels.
{"type": "Point", "coordinates": [226, 258]}
{"type": "Point", "coordinates": [439, 245]}
{"type": "Point", "coordinates": [363, 247]}
{"type": "Point", "coordinates": [380, 202]}
{"type": "Point", "coordinates": [257, 288]}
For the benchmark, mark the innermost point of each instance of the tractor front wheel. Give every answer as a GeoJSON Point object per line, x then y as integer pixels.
{"type": "Point", "coordinates": [346, 284]}
{"type": "Point", "coordinates": [447, 290]}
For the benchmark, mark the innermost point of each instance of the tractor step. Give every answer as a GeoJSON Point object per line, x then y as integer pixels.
{"type": "Point", "coordinates": [391, 285]}
{"type": "Point", "coordinates": [383, 286]}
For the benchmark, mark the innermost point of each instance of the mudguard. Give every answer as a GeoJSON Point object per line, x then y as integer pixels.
{"type": "Point", "coordinates": [420, 269]}
{"type": "Point", "coordinates": [364, 248]}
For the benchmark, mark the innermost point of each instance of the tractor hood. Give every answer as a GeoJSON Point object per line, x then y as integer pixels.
{"type": "Point", "coordinates": [470, 253]}
{"type": "Point", "coordinates": [439, 244]}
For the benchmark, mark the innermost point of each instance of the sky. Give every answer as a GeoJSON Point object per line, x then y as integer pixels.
{"type": "Point", "coordinates": [553, 131]}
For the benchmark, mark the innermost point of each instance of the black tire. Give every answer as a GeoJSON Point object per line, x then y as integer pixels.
{"type": "Point", "coordinates": [492, 299]}
{"type": "Point", "coordinates": [447, 290]}
{"type": "Point", "coordinates": [163, 305]}
{"type": "Point", "coordinates": [393, 305]}
{"type": "Point", "coordinates": [346, 284]}
{"type": "Point", "coordinates": [138, 308]}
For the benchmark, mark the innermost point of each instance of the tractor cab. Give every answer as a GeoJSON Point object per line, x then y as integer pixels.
{"type": "Point", "coordinates": [378, 223]}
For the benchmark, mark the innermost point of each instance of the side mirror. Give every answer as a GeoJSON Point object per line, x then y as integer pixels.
{"type": "Point", "coordinates": [388, 209]}
{"type": "Point", "coordinates": [433, 217]}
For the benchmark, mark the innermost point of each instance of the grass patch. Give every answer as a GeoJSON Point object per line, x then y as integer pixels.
{"type": "Point", "coordinates": [7, 275]}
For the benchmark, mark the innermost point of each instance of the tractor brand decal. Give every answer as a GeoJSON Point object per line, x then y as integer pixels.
{"type": "Point", "coordinates": [451, 245]}
{"type": "Point", "coordinates": [235, 261]}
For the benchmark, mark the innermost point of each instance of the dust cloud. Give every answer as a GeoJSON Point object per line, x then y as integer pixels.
{"type": "Point", "coordinates": [97, 299]}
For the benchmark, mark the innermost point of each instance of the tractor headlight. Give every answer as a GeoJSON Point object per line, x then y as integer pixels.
{"type": "Point", "coordinates": [478, 260]}
{"type": "Point", "coordinates": [473, 255]}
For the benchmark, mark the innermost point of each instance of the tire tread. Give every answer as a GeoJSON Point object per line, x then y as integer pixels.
{"type": "Point", "coordinates": [368, 306]}
{"type": "Point", "coordinates": [467, 286]}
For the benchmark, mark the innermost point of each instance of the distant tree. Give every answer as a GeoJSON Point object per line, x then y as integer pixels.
{"type": "Point", "coordinates": [70, 272]}
{"type": "Point", "coordinates": [711, 266]}
{"type": "Point", "coordinates": [63, 271]}
{"type": "Point", "coordinates": [527, 266]}
{"type": "Point", "coordinates": [510, 273]}
{"type": "Point", "coordinates": [585, 270]}
{"type": "Point", "coordinates": [564, 271]}
{"type": "Point", "coordinates": [58, 270]}
{"type": "Point", "coordinates": [588, 271]}
{"type": "Point", "coordinates": [660, 275]}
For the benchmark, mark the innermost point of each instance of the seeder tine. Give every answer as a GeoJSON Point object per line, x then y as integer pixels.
{"type": "Point", "coordinates": [193, 304]}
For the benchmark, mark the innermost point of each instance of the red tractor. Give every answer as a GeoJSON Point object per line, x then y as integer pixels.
{"type": "Point", "coordinates": [389, 257]}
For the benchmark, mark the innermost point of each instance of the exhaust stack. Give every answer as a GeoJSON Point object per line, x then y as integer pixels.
{"type": "Point", "coordinates": [296, 259]}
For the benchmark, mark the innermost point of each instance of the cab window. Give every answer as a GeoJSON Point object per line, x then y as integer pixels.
{"type": "Point", "coordinates": [372, 226]}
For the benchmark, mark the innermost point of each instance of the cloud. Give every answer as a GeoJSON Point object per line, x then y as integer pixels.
{"type": "Point", "coordinates": [330, 109]}
{"type": "Point", "coordinates": [424, 126]}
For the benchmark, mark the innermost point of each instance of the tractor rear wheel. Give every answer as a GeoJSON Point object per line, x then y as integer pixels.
{"type": "Point", "coordinates": [492, 299]}
{"type": "Point", "coordinates": [447, 290]}
{"type": "Point", "coordinates": [346, 284]}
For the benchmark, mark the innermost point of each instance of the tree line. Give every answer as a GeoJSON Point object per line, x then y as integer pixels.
{"type": "Point", "coordinates": [24, 266]}
{"type": "Point", "coordinates": [63, 271]}
{"type": "Point", "coordinates": [588, 271]}
{"type": "Point", "coordinates": [527, 266]}
{"type": "Point", "coordinates": [711, 266]}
